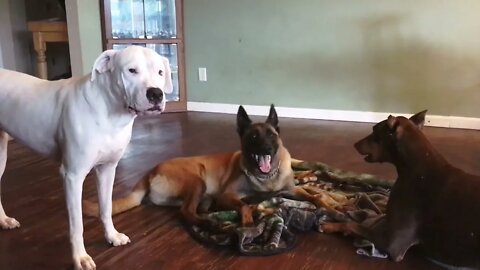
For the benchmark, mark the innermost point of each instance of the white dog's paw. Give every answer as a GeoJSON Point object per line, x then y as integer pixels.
{"type": "Point", "coordinates": [118, 239]}
{"type": "Point", "coordinates": [7, 223]}
{"type": "Point", "coordinates": [84, 262]}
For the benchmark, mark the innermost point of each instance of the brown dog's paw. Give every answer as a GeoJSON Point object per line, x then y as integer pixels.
{"type": "Point", "coordinates": [396, 253]}
{"type": "Point", "coordinates": [328, 228]}
{"type": "Point", "coordinates": [397, 258]}
{"type": "Point", "coordinates": [339, 216]}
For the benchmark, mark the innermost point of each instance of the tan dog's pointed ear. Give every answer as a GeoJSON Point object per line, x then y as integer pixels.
{"type": "Point", "coordinates": [168, 87]}
{"type": "Point", "coordinates": [419, 119]}
{"type": "Point", "coordinates": [243, 121]}
{"type": "Point", "coordinates": [272, 118]}
{"type": "Point", "coordinates": [103, 63]}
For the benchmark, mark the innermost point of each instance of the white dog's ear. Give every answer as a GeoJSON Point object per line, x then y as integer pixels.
{"type": "Point", "coordinates": [103, 63]}
{"type": "Point", "coordinates": [168, 87]}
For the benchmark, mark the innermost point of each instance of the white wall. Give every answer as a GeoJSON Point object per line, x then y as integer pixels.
{"type": "Point", "coordinates": [6, 38]}
{"type": "Point", "coordinates": [22, 39]}
{"type": "Point", "coordinates": [15, 40]}
{"type": "Point", "coordinates": [84, 34]}
{"type": "Point", "coordinates": [1, 55]}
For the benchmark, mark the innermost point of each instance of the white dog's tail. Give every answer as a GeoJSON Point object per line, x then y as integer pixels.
{"type": "Point", "coordinates": [120, 205]}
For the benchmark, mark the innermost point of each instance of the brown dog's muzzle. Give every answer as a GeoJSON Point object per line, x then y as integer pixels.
{"type": "Point", "coordinates": [364, 147]}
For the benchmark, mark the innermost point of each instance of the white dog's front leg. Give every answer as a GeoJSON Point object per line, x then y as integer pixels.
{"type": "Point", "coordinates": [105, 178]}
{"type": "Point", "coordinates": [73, 190]}
{"type": "Point", "coordinates": [6, 222]}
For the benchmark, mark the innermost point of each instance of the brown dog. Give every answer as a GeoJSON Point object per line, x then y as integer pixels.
{"type": "Point", "coordinates": [432, 203]}
{"type": "Point", "coordinates": [262, 166]}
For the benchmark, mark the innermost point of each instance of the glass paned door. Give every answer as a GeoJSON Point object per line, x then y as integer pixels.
{"type": "Point", "coordinates": [155, 24]}
{"type": "Point", "coordinates": [160, 19]}
{"type": "Point", "coordinates": [169, 51]}
{"type": "Point", "coordinates": [143, 19]}
{"type": "Point", "coordinates": [128, 18]}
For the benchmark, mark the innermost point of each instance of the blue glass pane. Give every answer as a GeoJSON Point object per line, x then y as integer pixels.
{"type": "Point", "coordinates": [143, 18]}
{"type": "Point", "coordinates": [123, 46]}
{"type": "Point", "coordinates": [128, 20]}
{"type": "Point", "coordinates": [169, 51]}
{"type": "Point", "coordinates": [160, 21]}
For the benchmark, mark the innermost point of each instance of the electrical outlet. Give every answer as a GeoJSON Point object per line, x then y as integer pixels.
{"type": "Point", "coordinates": [202, 74]}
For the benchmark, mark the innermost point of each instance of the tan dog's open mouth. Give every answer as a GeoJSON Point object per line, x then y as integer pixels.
{"type": "Point", "coordinates": [264, 163]}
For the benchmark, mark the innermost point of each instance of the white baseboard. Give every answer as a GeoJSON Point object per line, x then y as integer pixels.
{"type": "Point", "coordinates": [337, 115]}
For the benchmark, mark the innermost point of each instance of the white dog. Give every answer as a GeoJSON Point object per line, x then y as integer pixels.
{"type": "Point", "coordinates": [84, 123]}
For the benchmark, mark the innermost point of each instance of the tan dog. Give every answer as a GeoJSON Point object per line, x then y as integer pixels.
{"type": "Point", "coordinates": [262, 166]}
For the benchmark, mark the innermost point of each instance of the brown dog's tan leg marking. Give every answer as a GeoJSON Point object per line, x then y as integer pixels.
{"type": "Point", "coordinates": [395, 242]}
{"type": "Point", "coordinates": [399, 246]}
{"type": "Point", "coordinates": [347, 228]}
{"type": "Point", "coordinates": [231, 201]}
{"type": "Point", "coordinates": [399, 238]}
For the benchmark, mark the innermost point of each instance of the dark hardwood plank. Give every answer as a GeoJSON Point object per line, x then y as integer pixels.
{"type": "Point", "coordinates": [32, 192]}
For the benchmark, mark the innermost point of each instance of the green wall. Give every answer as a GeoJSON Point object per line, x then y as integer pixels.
{"type": "Point", "coordinates": [90, 32]}
{"type": "Point", "coordinates": [367, 55]}
{"type": "Point", "coordinates": [85, 34]}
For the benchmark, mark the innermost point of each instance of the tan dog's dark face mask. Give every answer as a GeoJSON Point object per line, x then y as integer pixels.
{"type": "Point", "coordinates": [259, 142]}
{"type": "Point", "coordinates": [382, 144]}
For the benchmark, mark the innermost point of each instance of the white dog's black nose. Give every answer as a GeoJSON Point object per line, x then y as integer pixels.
{"type": "Point", "coordinates": [154, 95]}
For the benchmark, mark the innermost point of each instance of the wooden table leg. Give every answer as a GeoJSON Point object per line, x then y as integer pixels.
{"type": "Point", "coordinates": [40, 48]}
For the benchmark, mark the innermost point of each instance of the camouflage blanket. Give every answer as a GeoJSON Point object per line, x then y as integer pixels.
{"type": "Point", "coordinates": [360, 197]}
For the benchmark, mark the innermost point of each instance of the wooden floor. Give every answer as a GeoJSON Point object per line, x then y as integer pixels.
{"type": "Point", "coordinates": [32, 192]}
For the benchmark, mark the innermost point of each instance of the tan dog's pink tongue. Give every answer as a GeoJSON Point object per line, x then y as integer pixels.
{"type": "Point", "coordinates": [264, 164]}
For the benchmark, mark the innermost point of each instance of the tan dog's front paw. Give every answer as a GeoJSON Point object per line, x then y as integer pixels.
{"type": "Point", "coordinates": [247, 221]}
{"type": "Point", "coordinates": [118, 239]}
{"type": "Point", "coordinates": [8, 223]}
{"type": "Point", "coordinates": [84, 262]}
{"type": "Point", "coordinates": [247, 216]}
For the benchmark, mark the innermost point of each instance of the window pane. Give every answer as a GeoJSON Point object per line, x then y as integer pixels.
{"type": "Point", "coordinates": [160, 21]}
{"type": "Point", "coordinates": [169, 51]}
{"type": "Point", "coordinates": [143, 18]}
{"type": "Point", "coordinates": [123, 46]}
{"type": "Point", "coordinates": [166, 50]}
{"type": "Point", "coordinates": [127, 19]}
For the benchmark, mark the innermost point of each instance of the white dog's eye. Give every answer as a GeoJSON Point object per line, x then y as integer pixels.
{"type": "Point", "coordinates": [160, 72]}
{"type": "Point", "coordinates": [132, 70]}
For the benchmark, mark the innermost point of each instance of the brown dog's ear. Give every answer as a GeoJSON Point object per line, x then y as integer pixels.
{"type": "Point", "coordinates": [243, 121]}
{"type": "Point", "coordinates": [395, 127]}
{"type": "Point", "coordinates": [272, 118]}
{"type": "Point", "coordinates": [419, 119]}
{"type": "Point", "coordinates": [392, 122]}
